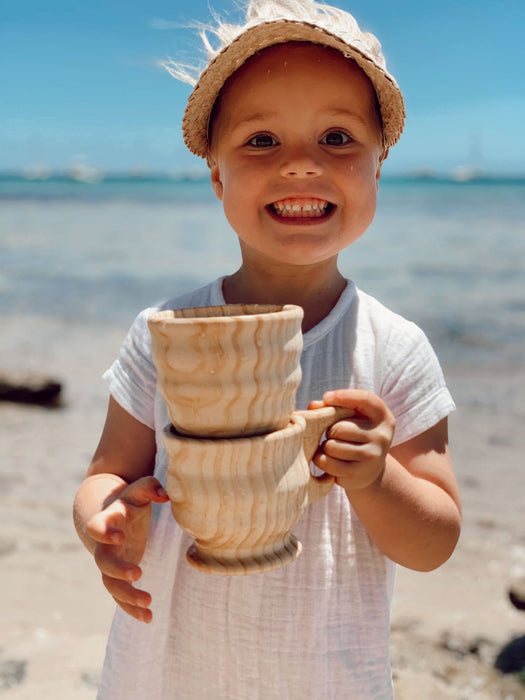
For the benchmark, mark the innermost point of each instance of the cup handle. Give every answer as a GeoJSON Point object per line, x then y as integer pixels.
{"type": "Point", "coordinates": [317, 421]}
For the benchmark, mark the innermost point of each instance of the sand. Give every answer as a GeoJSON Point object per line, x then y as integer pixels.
{"type": "Point", "coordinates": [448, 625]}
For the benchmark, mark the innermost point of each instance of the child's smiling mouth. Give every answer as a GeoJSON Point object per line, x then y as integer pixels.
{"type": "Point", "coordinates": [301, 208]}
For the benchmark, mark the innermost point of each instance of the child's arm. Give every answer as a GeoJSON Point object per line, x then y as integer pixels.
{"type": "Point", "coordinates": [112, 509]}
{"type": "Point", "coordinates": [405, 496]}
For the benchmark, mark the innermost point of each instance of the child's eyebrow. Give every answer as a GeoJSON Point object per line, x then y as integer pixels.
{"type": "Point", "coordinates": [255, 117]}
{"type": "Point", "coordinates": [348, 114]}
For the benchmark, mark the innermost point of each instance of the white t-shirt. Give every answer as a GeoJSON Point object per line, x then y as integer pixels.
{"type": "Point", "coordinates": [318, 627]}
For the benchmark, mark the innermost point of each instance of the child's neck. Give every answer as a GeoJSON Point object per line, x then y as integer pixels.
{"type": "Point", "coordinates": [316, 294]}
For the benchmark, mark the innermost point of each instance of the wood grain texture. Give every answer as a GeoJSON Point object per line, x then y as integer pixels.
{"type": "Point", "coordinates": [239, 498]}
{"type": "Point", "coordinates": [226, 371]}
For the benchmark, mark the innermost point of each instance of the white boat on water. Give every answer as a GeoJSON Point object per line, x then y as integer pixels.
{"type": "Point", "coordinates": [465, 173]}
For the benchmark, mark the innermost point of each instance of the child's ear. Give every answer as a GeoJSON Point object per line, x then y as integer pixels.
{"type": "Point", "coordinates": [215, 177]}
{"type": "Point", "coordinates": [378, 174]}
{"type": "Point", "coordinates": [382, 157]}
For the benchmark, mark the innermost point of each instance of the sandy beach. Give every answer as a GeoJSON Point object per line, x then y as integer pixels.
{"type": "Point", "coordinates": [448, 626]}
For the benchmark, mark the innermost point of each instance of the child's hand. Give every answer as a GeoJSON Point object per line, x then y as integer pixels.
{"type": "Point", "coordinates": [356, 448]}
{"type": "Point", "coordinates": [121, 531]}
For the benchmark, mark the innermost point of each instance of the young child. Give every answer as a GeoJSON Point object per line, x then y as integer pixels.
{"type": "Point", "coordinates": [295, 115]}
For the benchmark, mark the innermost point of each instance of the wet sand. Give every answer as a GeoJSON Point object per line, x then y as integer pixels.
{"type": "Point", "coordinates": [448, 625]}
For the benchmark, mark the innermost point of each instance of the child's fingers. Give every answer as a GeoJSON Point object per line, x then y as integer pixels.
{"type": "Point", "coordinates": [110, 565]}
{"type": "Point", "coordinates": [103, 527]}
{"type": "Point", "coordinates": [125, 593]}
{"type": "Point", "coordinates": [337, 466]}
{"type": "Point", "coordinates": [316, 404]}
{"type": "Point", "coordinates": [143, 491]}
{"type": "Point", "coordinates": [363, 402]}
{"type": "Point", "coordinates": [342, 451]}
{"type": "Point", "coordinates": [361, 448]}
{"type": "Point", "coordinates": [107, 526]}
{"type": "Point", "coordinates": [353, 431]}
{"type": "Point", "coordinates": [140, 614]}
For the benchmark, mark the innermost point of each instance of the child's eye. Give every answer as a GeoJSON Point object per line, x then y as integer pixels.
{"type": "Point", "coordinates": [336, 138]}
{"type": "Point", "coordinates": [262, 141]}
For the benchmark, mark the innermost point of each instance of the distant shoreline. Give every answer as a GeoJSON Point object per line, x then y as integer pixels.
{"type": "Point", "coordinates": [458, 176]}
{"type": "Point", "coordinates": [186, 187]}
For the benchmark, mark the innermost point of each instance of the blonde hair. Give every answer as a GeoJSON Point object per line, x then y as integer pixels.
{"type": "Point", "coordinates": [332, 19]}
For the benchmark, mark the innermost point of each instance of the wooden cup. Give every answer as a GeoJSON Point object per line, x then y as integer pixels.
{"type": "Point", "coordinates": [239, 498]}
{"type": "Point", "coordinates": [226, 371]}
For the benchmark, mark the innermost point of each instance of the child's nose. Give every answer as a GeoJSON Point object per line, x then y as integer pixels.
{"type": "Point", "coordinates": [299, 163]}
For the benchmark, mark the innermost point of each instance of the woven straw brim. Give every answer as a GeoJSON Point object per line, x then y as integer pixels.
{"type": "Point", "coordinates": [206, 91]}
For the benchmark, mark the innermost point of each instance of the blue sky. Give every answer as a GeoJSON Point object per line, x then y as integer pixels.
{"type": "Point", "coordinates": [80, 81]}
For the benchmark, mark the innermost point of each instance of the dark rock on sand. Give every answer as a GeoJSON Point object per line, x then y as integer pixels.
{"type": "Point", "coordinates": [511, 658]}
{"type": "Point", "coordinates": [91, 679]}
{"type": "Point", "coordinates": [517, 593]}
{"type": "Point", "coordinates": [30, 389]}
{"type": "Point", "coordinates": [12, 672]}
{"type": "Point", "coordinates": [463, 645]}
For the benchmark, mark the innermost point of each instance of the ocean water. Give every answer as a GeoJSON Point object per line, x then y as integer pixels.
{"type": "Point", "coordinates": [450, 256]}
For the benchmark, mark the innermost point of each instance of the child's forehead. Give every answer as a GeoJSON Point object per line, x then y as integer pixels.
{"type": "Point", "coordinates": [277, 57]}
{"type": "Point", "coordinates": [291, 61]}
{"type": "Point", "coordinates": [327, 69]}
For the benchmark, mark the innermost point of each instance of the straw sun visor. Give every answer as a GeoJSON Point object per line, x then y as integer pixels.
{"type": "Point", "coordinates": [232, 57]}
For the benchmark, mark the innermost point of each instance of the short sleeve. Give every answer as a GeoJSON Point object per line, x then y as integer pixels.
{"type": "Point", "coordinates": [414, 387]}
{"type": "Point", "coordinates": [132, 377]}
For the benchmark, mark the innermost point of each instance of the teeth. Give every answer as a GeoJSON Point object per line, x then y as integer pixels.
{"type": "Point", "coordinates": [298, 208]}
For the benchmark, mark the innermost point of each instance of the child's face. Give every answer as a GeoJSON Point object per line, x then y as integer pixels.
{"type": "Point", "coordinates": [295, 154]}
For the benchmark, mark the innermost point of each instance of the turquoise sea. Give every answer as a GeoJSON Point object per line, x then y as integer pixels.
{"type": "Point", "coordinates": [448, 255]}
